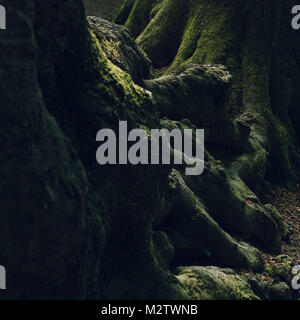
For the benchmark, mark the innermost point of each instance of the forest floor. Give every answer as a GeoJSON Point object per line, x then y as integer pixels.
{"type": "Point", "coordinates": [287, 203]}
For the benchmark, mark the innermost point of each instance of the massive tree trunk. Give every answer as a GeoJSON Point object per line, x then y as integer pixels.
{"type": "Point", "coordinates": [73, 229]}
{"type": "Point", "coordinates": [58, 207]}
{"type": "Point", "coordinates": [255, 41]}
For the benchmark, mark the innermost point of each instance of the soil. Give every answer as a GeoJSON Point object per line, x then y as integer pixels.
{"type": "Point", "coordinates": [287, 202]}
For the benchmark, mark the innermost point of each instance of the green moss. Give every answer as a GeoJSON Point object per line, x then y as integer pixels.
{"type": "Point", "coordinates": [139, 16]}
{"type": "Point", "coordinates": [211, 283]}
{"type": "Point", "coordinates": [124, 12]}
{"type": "Point", "coordinates": [157, 5]}
{"type": "Point", "coordinates": [161, 38]}
{"type": "Point", "coordinates": [209, 35]}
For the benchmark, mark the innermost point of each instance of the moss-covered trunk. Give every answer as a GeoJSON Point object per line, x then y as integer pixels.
{"type": "Point", "coordinates": [249, 38]}
{"type": "Point", "coordinates": [73, 229]}
{"type": "Point", "coordinates": [61, 213]}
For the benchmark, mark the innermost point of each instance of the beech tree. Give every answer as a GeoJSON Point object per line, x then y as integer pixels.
{"type": "Point", "coordinates": [73, 229]}
{"type": "Point", "coordinates": [256, 42]}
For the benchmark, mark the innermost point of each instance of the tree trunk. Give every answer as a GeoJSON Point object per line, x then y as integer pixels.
{"type": "Point", "coordinates": [73, 229]}
{"type": "Point", "coordinates": [255, 41]}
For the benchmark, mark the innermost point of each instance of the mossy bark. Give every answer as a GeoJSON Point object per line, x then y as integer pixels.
{"type": "Point", "coordinates": [80, 230]}
{"type": "Point", "coordinates": [256, 139]}
{"type": "Point", "coordinates": [134, 14]}
{"type": "Point", "coordinates": [61, 213]}
{"type": "Point", "coordinates": [47, 226]}
{"type": "Point", "coordinates": [246, 37]}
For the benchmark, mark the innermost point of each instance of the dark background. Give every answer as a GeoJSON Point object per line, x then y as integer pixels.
{"type": "Point", "coordinates": [102, 8]}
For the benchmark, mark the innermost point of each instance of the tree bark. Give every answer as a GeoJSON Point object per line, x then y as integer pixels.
{"type": "Point", "coordinates": [71, 229]}
{"type": "Point", "coordinates": [248, 38]}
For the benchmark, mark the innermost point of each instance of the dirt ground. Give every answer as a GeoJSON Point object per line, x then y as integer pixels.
{"type": "Point", "coordinates": [288, 204]}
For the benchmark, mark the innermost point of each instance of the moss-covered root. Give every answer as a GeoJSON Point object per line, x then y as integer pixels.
{"type": "Point", "coordinates": [129, 270]}
{"type": "Point", "coordinates": [212, 283]}
{"type": "Point", "coordinates": [236, 208]}
{"type": "Point", "coordinates": [132, 264]}
{"type": "Point", "coordinates": [124, 12]}
{"type": "Point", "coordinates": [120, 48]}
{"type": "Point", "coordinates": [161, 37]}
{"type": "Point", "coordinates": [192, 222]}
{"type": "Point", "coordinates": [231, 203]}
{"type": "Point", "coordinates": [210, 33]}
{"type": "Point", "coordinates": [198, 92]}
{"type": "Point", "coordinates": [135, 14]}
